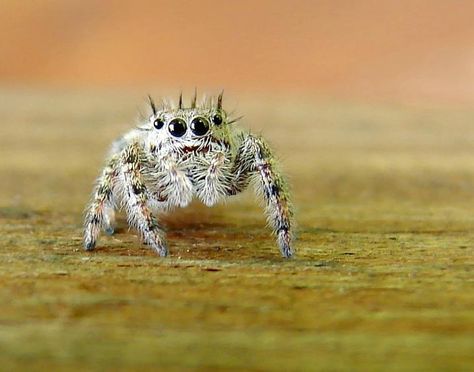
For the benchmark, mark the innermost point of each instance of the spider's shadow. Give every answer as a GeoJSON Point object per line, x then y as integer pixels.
{"type": "Point", "coordinates": [204, 235]}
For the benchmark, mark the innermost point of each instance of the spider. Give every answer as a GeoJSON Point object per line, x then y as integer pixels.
{"type": "Point", "coordinates": [180, 153]}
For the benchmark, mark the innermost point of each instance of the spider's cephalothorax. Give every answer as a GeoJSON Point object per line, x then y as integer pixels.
{"type": "Point", "coordinates": [179, 153]}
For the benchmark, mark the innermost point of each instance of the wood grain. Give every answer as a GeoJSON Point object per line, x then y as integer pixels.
{"type": "Point", "coordinates": [383, 277]}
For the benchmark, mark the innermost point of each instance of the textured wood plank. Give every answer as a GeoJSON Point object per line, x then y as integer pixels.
{"type": "Point", "coordinates": [383, 277]}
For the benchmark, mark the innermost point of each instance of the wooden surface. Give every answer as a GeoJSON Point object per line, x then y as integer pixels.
{"type": "Point", "coordinates": [383, 277]}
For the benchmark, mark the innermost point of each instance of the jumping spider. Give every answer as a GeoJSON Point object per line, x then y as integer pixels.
{"type": "Point", "coordinates": [181, 152]}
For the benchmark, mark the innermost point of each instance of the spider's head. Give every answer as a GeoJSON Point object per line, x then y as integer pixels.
{"type": "Point", "coordinates": [193, 128]}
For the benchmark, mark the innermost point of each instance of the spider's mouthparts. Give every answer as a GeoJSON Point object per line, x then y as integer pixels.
{"type": "Point", "coordinates": [200, 149]}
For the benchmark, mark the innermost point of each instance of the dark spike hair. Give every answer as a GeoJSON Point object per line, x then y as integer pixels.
{"type": "Point", "coordinates": [180, 103]}
{"type": "Point", "coordinates": [219, 100]}
{"type": "Point", "coordinates": [152, 104]}
{"type": "Point", "coordinates": [193, 101]}
{"type": "Point", "coordinates": [235, 120]}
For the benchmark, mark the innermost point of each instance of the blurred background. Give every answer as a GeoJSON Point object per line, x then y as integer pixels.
{"type": "Point", "coordinates": [410, 51]}
{"type": "Point", "coordinates": [362, 100]}
{"type": "Point", "coordinates": [369, 105]}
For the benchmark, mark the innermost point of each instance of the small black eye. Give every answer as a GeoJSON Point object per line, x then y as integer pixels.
{"type": "Point", "coordinates": [158, 123]}
{"type": "Point", "coordinates": [217, 119]}
{"type": "Point", "coordinates": [200, 126]}
{"type": "Point", "coordinates": [177, 127]}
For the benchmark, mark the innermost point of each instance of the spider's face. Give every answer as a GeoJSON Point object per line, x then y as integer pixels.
{"type": "Point", "coordinates": [191, 129]}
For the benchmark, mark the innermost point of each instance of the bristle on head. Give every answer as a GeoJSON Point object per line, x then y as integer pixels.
{"type": "Point", "coordinates": [152, 104]}
{"type": "Point", "coordinates": [219, 100]}
{"type": "Point", "coordinates": [205, 102]}
{"type": "Point", "coordinates": [193, 101]}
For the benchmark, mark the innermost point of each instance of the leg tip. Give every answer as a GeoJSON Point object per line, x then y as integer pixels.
{"type": "Point", "coordinates": [89, 246]}
{"type": "Point", "coordinates": [163, 252]}
{"type": "Point", "coordinates": [284, 242]}
{"type": "Point", "coordinates": [287, 252]}
{"type": "Point", "coordinates": [160, 249]}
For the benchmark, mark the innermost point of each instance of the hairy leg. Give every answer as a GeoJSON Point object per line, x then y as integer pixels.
{"type": "Point", "coordinates": [212, 178]}
{"type": "Point", "coordinates": [175, 188]}
{"type": "Point", "coordinates": [109, 220]}
{"type": "Point", "coordinates": [255, 159]}
{"type": "Point", "coordinates": [100, 212]}
{"type": "Point", "coordinates": [135, 199]}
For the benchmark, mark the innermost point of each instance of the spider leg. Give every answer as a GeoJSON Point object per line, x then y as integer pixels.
{"type": "Point", "coordinates": [175, 186]}
{"type": "Point", "coordinates": [100, 212]}
{"type": "Point", "coordinates": [214, 181]}
{"type": "Point", "coordinates": [135, 199]}
{"type": "Point", "coordinates": [255, 159]}
{"type": "Point", "coordinates": [109, 220]}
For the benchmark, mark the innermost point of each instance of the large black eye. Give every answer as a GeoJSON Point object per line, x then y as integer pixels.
{"type": "Point", "coordinates": [217, 119]}
{"type": "Point", "coordinates": [158, 123]}
{"type": "Point", "coordinates": [199, 126]}
{"type": "Point", "coordinates": [177, 127]}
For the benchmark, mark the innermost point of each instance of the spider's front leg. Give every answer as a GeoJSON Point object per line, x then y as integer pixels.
{"type": "Point", "coordinates": [255, 158]}
{"type": "Point", "coordinates": [100, 212]}
{"type": "Point", "coordinates": [135, 200]}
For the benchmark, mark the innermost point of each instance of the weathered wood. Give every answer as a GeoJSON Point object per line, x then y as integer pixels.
{"type": "Point", "coordinates": [383, 277]}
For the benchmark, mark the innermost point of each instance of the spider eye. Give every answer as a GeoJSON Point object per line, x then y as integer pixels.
{"type": "Point", "coordinates": [199, 126]}
{"type": "Point", "coordinates": [217, 119]}
{"type": "Point", "coordinates": [177, 127]}
{"type": "Point", "coordinates": [158, 123]}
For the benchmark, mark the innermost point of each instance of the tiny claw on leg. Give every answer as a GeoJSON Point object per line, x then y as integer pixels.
{"type": "Point", "coordinates": [153, 237]}
{"type": "Point", "coordinates": [160, 248]}
{"type": "Point", "coordinates": [89, 245]}
{"type": "Point", "coordinates": [109, 221]}
{"type": "Point", "coordinates": [90, 236]}
{"type": "Point", "coordinates": [284, 241]}
{"type": "Point", "coordinates": [109, 230]}
{"type": "Point", "coordinates": [163, 252]}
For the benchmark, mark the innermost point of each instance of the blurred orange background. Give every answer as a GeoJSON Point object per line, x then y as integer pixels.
{"type": "Point", "coordinates": [401, 51]}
